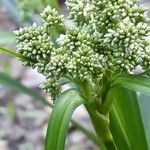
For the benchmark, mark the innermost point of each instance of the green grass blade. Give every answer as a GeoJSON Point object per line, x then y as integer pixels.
{"type": "Point", "coordinates": [59, 120]}
{"type": "Point", "coordinates": [12, 53]}
{"type": "Point", "coordinates": [14, 85]}
{"type": "Point", "coordinates": [134, 82]}
{"type": "Point", "coordinates": [145, 109]}
{"type": "Point", "coordinates": [126, 122]}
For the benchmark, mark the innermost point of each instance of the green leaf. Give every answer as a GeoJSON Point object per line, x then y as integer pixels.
{"type": "Point", "coordinates": [12, 84]}
{"type": "Point", "coordinates": [126, 123]}
{"type": "Point", "coordinates": [134, 82]}
{"type": "Point", "coordinates": [6, 38]}
{"type": "Point", "coordinates": [66, 103]}
{"type": "Point", "coordinates": [12, 53]}
{"type": "Point", "coordinates": [145, 109]}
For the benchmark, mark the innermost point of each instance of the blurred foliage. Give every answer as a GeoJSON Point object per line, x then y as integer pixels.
{"type": "Point", "coordinates": [6, 38]}
{"type": "Point", "coordinates": [10, 110]}
{"type": "Point", "coordinates": [28, 8]}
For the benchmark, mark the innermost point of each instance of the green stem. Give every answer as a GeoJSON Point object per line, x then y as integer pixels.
{"type": "Point", "coordinates": [107, 104]}
{"type": "Point", "coordinates": [101, 126]}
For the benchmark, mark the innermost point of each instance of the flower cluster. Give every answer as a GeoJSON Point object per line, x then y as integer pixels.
{"type": "Point", "coordinates": [108, 35]}
{"type": "Point", "coordinates": [34, 43]}
{"type": "Point", "coordinates": [51, 17]}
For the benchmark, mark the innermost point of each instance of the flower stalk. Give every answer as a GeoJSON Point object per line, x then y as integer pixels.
{"type": "Point", "coordinates": [101, 126]}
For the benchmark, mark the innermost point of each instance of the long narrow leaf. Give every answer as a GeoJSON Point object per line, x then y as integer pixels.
{"type": "Point", "coordinates": [126, 122]}
{"type": "Point", "coordinates": [134, 82]}
{"type": "Point", "coordinates": [145, 109]}
{"type": "Point", "coordinates": [59, 120]}
{"type": "Point", "coordinates": [12, 53]}
{"type": "Point", "coordinates": [12, 84]}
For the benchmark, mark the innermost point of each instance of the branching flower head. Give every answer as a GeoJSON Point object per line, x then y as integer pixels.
{"type": "Point", "coordinates": [108, 35]}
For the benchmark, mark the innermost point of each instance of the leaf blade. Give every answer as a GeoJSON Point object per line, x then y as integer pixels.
{"type": "Point", "coordinates": [133, 82]}
{"type": "Point", "coordinates": [126, 116]}
{"type": "Point", "coordinates": [12, 53]}
{"type": "Point", "coordinates": [12, 84]}
{"type": "Point", "coordinates": [145, 105]}
{"type": "Point", "coordinates": [59, 120]}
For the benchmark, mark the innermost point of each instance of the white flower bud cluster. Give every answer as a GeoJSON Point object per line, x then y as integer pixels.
{"type": "Point", "coordinates": [105, 12]}
{"type": "Point", "coordinates": [109, 35]}
{"type": "Point", "coordinates": [80, 10]}
{"type": "Point", "coordinates": [34, 43]}
{"type": "Point", "coordinates": [128, 42]}
{"type": "Point", "coordinates": [80, 56]}
{"type": "Point", "coordinates": [51, 86]}
{"type": "Point", "coordinates": [51, 17]}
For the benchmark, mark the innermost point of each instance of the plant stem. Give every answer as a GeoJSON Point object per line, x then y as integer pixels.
{"type": "Point", "coordinates": [101, 126]}
{"type": "Point", "coordinates": [107, 105]}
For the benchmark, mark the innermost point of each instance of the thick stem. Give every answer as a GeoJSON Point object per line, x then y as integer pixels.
{"type": "Point", "coordinates": [101, 126]}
